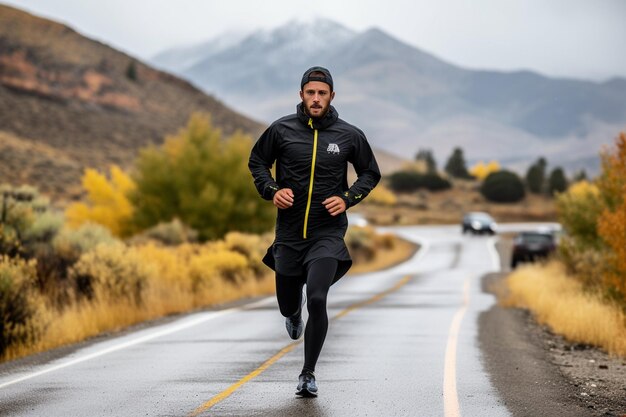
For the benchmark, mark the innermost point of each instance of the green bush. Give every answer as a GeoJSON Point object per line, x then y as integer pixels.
{"type": "Point", "coordinates": [579, 210]}
{"type": "Point", "coordinates": [409, 181]}
{"type": "Point", "coordinates": [24, 219]}
{"type": "Point", "coordinates": [503, 187]}
{"type": "Point", "coordinates": [17, 303]}
{"type": "Point", "coordinates": [45, 227]}
{"type": "Point", "coordinates": [17, 217]}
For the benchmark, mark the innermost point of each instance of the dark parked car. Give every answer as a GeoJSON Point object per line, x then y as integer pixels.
{"type": "Point", "coordinates": [529, 246]}
{"type": "Point", "coordinates": [479, 222]}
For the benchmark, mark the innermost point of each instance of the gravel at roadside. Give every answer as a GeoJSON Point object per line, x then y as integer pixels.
{"type": "Point", "coordinates": [539, 373]}
{"type": "Point", "coordinates": [596, 379]}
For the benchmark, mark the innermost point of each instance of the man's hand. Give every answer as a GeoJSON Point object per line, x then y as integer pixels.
{"type": "Point", "coordinates": [335, 205]}
{"type": "Point", "coordinates": [283, 198]}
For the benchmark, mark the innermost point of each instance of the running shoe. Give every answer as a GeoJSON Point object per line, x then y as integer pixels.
{"type": "Point", "coordinates": [306, 385]}
{"type": "Point", "coordinates": [295, 325]}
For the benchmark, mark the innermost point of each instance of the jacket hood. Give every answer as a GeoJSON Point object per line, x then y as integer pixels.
{"type": "Point", "coordinates": [321, 123]}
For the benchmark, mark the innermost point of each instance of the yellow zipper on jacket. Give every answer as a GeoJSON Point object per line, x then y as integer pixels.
{"type": "Point", "coordinates": [308, 202]}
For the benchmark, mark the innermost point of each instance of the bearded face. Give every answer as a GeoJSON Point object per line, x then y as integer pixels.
{"type": "Point", "coordinates": [316, 97]}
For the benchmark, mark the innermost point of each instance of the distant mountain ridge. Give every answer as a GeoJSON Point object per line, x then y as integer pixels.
{"type": "Point", "coordinates": [68, 102]}
{"type": "Point", "coordinates": [406, 99]}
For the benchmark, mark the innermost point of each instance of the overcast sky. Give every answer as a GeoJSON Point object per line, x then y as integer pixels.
{"type": "Point", "coordinates": [571, 38]}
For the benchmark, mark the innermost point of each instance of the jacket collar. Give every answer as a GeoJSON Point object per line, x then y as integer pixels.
{"type": "Point", "coordinates": [329, 118]}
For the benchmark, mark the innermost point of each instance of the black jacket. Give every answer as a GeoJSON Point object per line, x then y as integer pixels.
{"type": "Point", "coordinates": [289, 142]}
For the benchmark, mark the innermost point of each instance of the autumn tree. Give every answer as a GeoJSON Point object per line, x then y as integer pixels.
{"type": "Point", "coordinates": [107, 201]}
{"type": "Point", "coordinates": [482, 170]}
{"type": "Point", "coordinates": [201, 179]}
{"type": "Point", "coordinates": [612, 221]}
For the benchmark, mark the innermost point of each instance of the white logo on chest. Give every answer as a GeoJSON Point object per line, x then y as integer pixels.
{"type": "Point", "coordinates": [332, 148]}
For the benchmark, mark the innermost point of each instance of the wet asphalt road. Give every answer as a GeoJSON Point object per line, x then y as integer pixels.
{"type": "Point", "coordinates": [401, 342]}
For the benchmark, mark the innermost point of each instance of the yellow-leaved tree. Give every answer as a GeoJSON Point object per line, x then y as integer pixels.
{"type": "Point", "coordinates": [482, 170]}
{"type": "Point", "coordinates": [107, 201]}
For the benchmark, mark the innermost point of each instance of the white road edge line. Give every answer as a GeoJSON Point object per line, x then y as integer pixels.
{"type": "Point", "coordinates": [164, 332]}
{"type": "Point", "coordinates": [495, 256]}
{"type": "Point", "coordinates": [450, 395]}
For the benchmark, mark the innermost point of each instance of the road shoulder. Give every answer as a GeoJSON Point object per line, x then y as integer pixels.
{"type": "Point", "coordinates": [538, 373]}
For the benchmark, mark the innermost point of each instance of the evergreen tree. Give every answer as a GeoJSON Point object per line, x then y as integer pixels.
{"type": "Point", "coordinates": [456, 166]}
{"type": "Point", "coordinates": [534, 179]}
{"type": "Point", "coordinates": [557, 182]}
{"type": "Point", "coordinates": [536, 176]}
{"type": "Point", "coordinates": [426, 155]}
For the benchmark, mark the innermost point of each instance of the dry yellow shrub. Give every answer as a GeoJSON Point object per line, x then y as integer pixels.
{"type": "Point", "coordinates": [172, 264]}
{"type": "Point", "coordinates": [113, 273]}
{"type": "Point", "coordinates": [560, 302]}
{"type": "Point", "coordinates": [19, 303]}
{"type": "Point", "coordinates": [382, 195]}
{"type": "Point", "coordinates": [210, 265]}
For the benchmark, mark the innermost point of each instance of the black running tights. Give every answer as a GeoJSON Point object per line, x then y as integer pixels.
{"type": "Point", "coordinates": [319, 278]}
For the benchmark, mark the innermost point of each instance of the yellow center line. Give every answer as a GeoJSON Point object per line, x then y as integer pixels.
{"type": "Point", "coordinates": [450, 396]}
{"type": "Point", "coordinates": [258, 371]}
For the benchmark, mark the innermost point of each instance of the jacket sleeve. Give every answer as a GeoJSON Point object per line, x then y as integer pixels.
{"type": "Point", "coordinates": [262, 157]}
{"type": "Point", "coordinates": [366, 168]}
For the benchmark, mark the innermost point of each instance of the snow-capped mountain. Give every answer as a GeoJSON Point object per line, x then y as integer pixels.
{"type": "Point", "coordinates": [406, 99]}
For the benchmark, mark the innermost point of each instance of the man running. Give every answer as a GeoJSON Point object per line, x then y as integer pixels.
{"type": "Point", "coordinates": [311, 149]}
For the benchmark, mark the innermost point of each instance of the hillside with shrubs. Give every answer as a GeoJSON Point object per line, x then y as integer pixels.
{"type": "Point", "coordinates": [68, 103]}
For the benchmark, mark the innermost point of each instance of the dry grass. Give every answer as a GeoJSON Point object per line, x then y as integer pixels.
{"type": "Point", "coordinates": [79, 322]}
{"type": "Point", "coordinates": [560, 302]}
{"type": "Point", "coordinates": [401, 251]}
{"type": "Point", "coordinates": [170, 291]}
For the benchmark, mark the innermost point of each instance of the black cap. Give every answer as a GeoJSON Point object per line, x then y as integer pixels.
{"type": "Point", "coordinates": [326, 78]}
